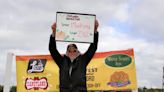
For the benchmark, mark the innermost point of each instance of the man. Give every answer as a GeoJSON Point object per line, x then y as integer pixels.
{"type": "Point", "coordinates": [72, 65]}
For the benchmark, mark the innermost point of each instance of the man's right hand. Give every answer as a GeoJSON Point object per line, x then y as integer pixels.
{"type": "Point", "coordinates": [53, 29]}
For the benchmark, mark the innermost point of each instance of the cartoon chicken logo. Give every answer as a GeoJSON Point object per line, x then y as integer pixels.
{"type": "Point", "coordinates": [119, 79]}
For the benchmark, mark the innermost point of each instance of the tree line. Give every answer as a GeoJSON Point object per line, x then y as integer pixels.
{"type": "Point", "coordinates": [144, 89]}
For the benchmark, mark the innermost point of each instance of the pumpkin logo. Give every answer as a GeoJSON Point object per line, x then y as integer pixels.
{"type": "Point", "coordinates": [119, 79]}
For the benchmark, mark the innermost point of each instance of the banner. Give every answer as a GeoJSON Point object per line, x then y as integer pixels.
{"type": "Point", "coordinates": [36, 73]}
{"type": "Point", "coordinates": [163, 79]}
{"type": "Point", "coordinates": [113, 70]}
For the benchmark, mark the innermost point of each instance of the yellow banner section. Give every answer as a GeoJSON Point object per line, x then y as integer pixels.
{"type": "Point", "coordinates": [36, 73]}
{"type": "Point", "coordinates": [114, 70]}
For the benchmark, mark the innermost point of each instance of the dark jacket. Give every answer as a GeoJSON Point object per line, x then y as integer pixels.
{"type": "Point", "coordinates": [77, 80]}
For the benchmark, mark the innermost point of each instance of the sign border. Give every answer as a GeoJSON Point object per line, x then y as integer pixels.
{"type": "Point", "coordinates": [77, 14]}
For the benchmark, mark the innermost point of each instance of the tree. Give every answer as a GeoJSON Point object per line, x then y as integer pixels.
{"type": "Point", "coordinates": [13, 89]}
{"type": "Point", "coordinates": [1, 88]}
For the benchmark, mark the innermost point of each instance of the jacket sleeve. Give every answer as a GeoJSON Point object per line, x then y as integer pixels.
{"type": "Point", "coordinates": [54, 52]}
{"type": "Point", "coordinates": [91, 50]}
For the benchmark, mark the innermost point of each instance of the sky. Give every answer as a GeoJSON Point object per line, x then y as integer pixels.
{"type": "Point", "coordinates": [25, 26]}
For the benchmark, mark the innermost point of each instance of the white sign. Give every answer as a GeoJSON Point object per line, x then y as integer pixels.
{"type": "Point", "coordinates": [75, 27]}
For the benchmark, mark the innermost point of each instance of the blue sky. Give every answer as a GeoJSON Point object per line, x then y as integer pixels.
{"type": "Point", "coordinates": [25, 26]}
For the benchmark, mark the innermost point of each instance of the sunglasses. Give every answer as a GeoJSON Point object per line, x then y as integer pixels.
{"type": "Point", "coordinates": [70, 51]}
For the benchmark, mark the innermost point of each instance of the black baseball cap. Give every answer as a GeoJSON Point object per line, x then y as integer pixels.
{"type": "Point", "coordinates": [71, 45]}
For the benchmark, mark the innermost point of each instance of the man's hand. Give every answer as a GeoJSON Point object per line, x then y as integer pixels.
{"type": "Point", "coordinates": [96, 26]}
{"type": "Point", "coordinates": [53, 29]}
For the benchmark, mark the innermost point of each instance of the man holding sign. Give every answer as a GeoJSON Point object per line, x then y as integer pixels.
{"type": "Point", "coordinates": [72, 65]}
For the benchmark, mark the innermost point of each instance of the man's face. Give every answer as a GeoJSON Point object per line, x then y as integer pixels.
{"type": "Point", "coordinates": [72, 51]}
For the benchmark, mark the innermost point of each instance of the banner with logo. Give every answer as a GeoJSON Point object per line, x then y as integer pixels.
{"type": "Point", "coordinates": [36, 73]}
{"type": "Point", "coordinates": [113, 70]}
{"type": "Point", "coordinates": [163, 79]}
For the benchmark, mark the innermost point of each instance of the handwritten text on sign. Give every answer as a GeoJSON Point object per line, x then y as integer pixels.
{"type": "Point", "coordinates": [75, 27]}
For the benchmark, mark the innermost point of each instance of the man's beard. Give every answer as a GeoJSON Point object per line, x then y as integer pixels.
{"type": "Point", "coordinates": [73, 56]}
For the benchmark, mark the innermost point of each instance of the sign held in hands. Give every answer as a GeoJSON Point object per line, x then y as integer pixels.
{"type": "Point", "coordinates": [75, 27]}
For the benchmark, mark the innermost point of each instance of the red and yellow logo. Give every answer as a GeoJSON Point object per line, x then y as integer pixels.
{"type": "Point", "coordinates": [36, 83]}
